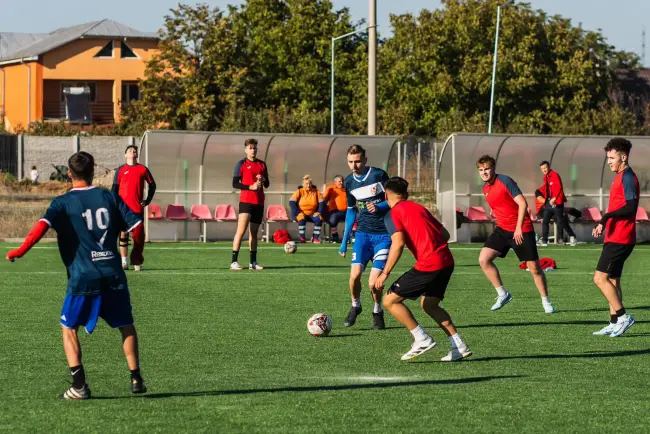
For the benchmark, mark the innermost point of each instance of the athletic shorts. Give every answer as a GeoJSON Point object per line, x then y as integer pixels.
{"type": "Point", "coordinates": [613, 258]}
{"type": "Point", "coordinates": [256, 211]}
{"type": "Point", "coordinates": [502, 241]}
{"type": "Point", "coordinates": [414, 284]}
{"type": "Point", "coordinates": [371, 247]}
{"type": "Point", "coordinates": [112, 305]}
{"type": "Point", "coordinates": [127, 234]}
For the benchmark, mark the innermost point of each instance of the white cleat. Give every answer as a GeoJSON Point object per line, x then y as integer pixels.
{"type": "Point", "coordinates": [235, 266]}
{"type": "Point", "coordinates": [573, 241]}
{"type": "Point", "coordinates": [255, 266]}
{"type": "Point", "coordinates": [125, 265]}
{"type": "Point", "coordinates": [502, 301]}
{"type": "Point", "coordinates": [624, 323]}
{"type": "Point", "coordinates": [419, 348]}
{"type": "Point", "coordinates": [541, 243]}
{"type": "Point", "coordinates": [605, 331]}
{"type": "Point", "coordinates": [456, 354]}
{"type": "Point", "coordinates": [137, 267]}
{"type": "Point", "coordinates": [548, 307]}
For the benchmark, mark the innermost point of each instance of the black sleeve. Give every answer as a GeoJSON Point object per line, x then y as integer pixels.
{"type": "Point", "coordinates": [236, 183]}
{"type": "Point", "coordinates": [627, 210]}
{"type": "Point", "coordinates": [115, 189]}
{"type": "Point", "coordinates": [266, 177]}
{"type": "Point", "coordinates": [150, 193]}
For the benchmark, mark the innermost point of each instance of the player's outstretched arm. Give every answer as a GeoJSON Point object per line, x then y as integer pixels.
{"type": "Point", "coordinates": [350, 217]}
{"type": "Point", "coordinates": [34, 236]}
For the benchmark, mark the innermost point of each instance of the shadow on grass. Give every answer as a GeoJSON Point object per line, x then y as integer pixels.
{"type": "Point", "coordinates": [592, 355]}
{"type": "Point", "coordinates": [306, 266]}
{"type": "Point", "coordinates": [345, 335]}
{"type": "Point", "coordinates": [550, 323]}
{"type": "Point", "coordinates": [356, 386]}
{"type": "Point", "coordinates": [606, 309]}
{"type": "Point", "coordinates": [385, 328]}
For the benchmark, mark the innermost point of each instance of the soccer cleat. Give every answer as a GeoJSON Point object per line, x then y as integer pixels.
{"type": "Point", "coordinates": [302, 240]}
{"type": "Point", "coordinates": [235, 266]}
{"type": "Point", "coordinates": [542, 243]}
{"type": "Point", "coordinates": [72, 393]}
{"type": "Point", "coordinates": [335, 238]}
{"type": "Point", "coordinates": [573, 241]}
{"type": "Point", "coordinates": [255, 266]}
{"type": "Point", "coordinates": [502, 301]}
{"type": "Point", "coordinates": [548, 307]}
{"type": "Point", "coordinates": [137, 267]}
{"type": "Point", "coordinates": [125, 265]}
{"type": "Point", "coordinates": [624, 323]}
{"type": "Point", "coordinates": [316, 241]}
{"type": "Point", "coordinates": [419, 348]}
{"type": "Point", "coordinates": [378, 320]}
{"type": "Point", "coordinates": [456, 354]}
{"type": "Point", "coordinates": [137, 385]}
{"type": "Point", "coordinates": [352, 316]}
{"type": "Point", "coordinates": [605, 331]}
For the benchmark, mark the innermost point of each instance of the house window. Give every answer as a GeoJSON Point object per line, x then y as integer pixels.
{"type": "Point", "coordinates": [89, 84]}
{"type": "Point", "coordinates": [130, 92]}
{"type": "Point", "coordinates": [106, 52]}
{"type": "Point", "coordinates": [126, 52]}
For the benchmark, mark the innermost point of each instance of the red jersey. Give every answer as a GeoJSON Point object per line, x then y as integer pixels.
{"type": "Point", "coordinates": [622, 230]}
{"type": "Point", "coordinates": [500, 195]}
{"type": "Point", "coordinates": [129, 183]}
{"type": "Point", "coordinates": [553, 184]}
{"type": "Point", "coordinates": [246, 172]}
{"type": "Point", "coordinates": [423, 235]}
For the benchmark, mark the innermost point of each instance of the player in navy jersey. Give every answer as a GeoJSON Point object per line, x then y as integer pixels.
{"type": "Point", "coordinates": [366, 198]}
{"type": "Point", "coordinates": [514, 230]}
{"type": "Point", "coordinates": [251, 177]}
{"type": "Point", "coordinates": [619, 225]}
{"type": "Point", "coordinates": [412, 225]}
{"type": "Point", "coordinates": [87, 221]}
{"type": "Point", "coordinates": [129, 185]}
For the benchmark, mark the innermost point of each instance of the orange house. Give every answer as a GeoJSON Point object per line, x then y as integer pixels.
{"type": "Point", "coordinates": [105, 58]}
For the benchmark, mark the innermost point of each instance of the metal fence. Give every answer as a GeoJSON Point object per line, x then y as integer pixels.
{"type": "Point", "coordinates": [9, 154]}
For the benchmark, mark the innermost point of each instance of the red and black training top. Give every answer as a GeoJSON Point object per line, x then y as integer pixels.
{"type": "Point", "coordinates": [246, 173]}
{"type": "Point", "coordinates": [129, 185]}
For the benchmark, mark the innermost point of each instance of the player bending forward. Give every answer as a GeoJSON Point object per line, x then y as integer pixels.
{"type": "Point", "coordinates": [87, 221]}
{"type": "Point", "coordinates": [412, 225]}
{"type": "Point", "coordinates": [514, 230]}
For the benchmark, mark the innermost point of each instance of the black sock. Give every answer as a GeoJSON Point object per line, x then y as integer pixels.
{"type": "Point", "coordinates": [612, 319]}
{"type": "Point", "coordinates": [253, 257]}
{"type": "Point", "coordinates": [620, 312]}
{"type": "Point", "coordinates": [78, 376]}
{"type": "Point", "coordinates": [235, 256]}
{"type": "Point", "coordinates": [135, 374]}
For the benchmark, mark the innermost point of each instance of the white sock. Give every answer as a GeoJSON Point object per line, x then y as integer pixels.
{"type": "Point", "coordinates": [545, 300]}
{"type": "Point", "coordinates": [356, 302]}
{"type": "Point", "coordinates": [501, 291]}
{"type": "Point", "coordinates": [419, 334]}
{"type": "Point", "coordinates": [456, 341]}
{"type": "Point", "coordinates": [125, 260]}
{"type": "Point", "coordinates": [377, 308]}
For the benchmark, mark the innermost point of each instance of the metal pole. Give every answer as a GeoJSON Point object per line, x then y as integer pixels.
{"type": "Point", "coordinates": [372, 67]}
{"type": "Point", "coordinates": [332, 93]}
{"type": "Point", "coordinates": [399, 159]}
{"type": "Point", "coordinates": [494, 68]}
{"type": "Point", "coordinates": [417, 179]}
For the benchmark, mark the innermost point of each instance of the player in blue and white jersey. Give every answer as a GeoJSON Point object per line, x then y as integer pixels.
{"type": "Point", "coordinates": [88, 221]}
{"type": "Point", "coordinates": [367, 202]}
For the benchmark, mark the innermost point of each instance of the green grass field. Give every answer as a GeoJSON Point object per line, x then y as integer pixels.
{"type": "Point", "coordinates": [229, 351]}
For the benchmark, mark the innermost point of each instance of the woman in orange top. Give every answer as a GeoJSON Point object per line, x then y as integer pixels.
{"type": "Point", "coordinates": [307, 204]}
{"type": "Point", "coordinates": [335, 196]}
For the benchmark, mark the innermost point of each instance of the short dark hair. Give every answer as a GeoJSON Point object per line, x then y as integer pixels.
{"type": "Point", "coordinates": [399, 186]}
{"type": "Point", "coordinates": [82, 166]}
{"type": "Point", "coordinates": [33, 167]}
{"type": "Point", "coordinates": [486, 159]}
{"type": "Point", "coordinates": [538, 192]}
{"type": "Point", "coordinates": [545, 163]}
{"type": "Point", "coordinates": [250, 142]}
{"type": "Point", "coordinates": [356, 150]}
{"type": "Point", "coordinates": [129, 147]}
{"type": "Point", "coordinates": [619, 144]}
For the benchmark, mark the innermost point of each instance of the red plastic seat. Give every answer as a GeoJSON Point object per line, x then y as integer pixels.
{"type": "Point", "coordinates": [200, 212]}
{"type": "Point", "coordinates": [642, 215]}
{"type": "Point", "coordinates": [225, 213]}
{"type": "Point", "coordinates": [477, 214]}
{"type": "Point", "coordinates": [276, 213]}
{"type": "Point", "coordinates": [175, 212]}
{"type": "Point", "coordinates": [591, 214]}
{"type": "Point", "coordinates": [154, 212]}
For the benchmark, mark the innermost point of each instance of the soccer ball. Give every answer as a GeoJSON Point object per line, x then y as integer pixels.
{"type": "Point", "coordinates": [290, 247]}
{"type": "Point", "coordinates": [319, 324]}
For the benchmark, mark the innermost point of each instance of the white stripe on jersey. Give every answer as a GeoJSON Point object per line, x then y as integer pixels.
{"type": "Point", "coordinates": [367, 191]}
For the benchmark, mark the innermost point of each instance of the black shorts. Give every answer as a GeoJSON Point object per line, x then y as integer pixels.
{"type": "Point", "coordinates": [613, 258]}
{"type": "Point", "coordinates": [502, 241]}
{"type": "Point", "coordinates": [414, 283]}
{"type": "Point", "coordinates": [256, 211]}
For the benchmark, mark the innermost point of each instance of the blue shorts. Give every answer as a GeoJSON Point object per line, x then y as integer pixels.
{"type": "Point", "coordinates": [371, 247]}
{"type": "Point", "coordinates": [114, 306]}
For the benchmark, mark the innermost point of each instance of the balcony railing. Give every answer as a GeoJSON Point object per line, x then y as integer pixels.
{"type": "Point", "coordinates": [101, 112]}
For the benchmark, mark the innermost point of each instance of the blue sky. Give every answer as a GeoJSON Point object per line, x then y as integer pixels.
{"type": "Point", "coordinates": [621, 21]}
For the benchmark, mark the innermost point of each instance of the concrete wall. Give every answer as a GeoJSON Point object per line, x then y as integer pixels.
{"type": "Point", "coordinates": [44, 152]}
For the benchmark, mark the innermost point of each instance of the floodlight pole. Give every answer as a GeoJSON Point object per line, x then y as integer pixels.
{"type": "Point", "coordinates": [494, 62]}
{"type": "Point", "coordinates": [332, 80]}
